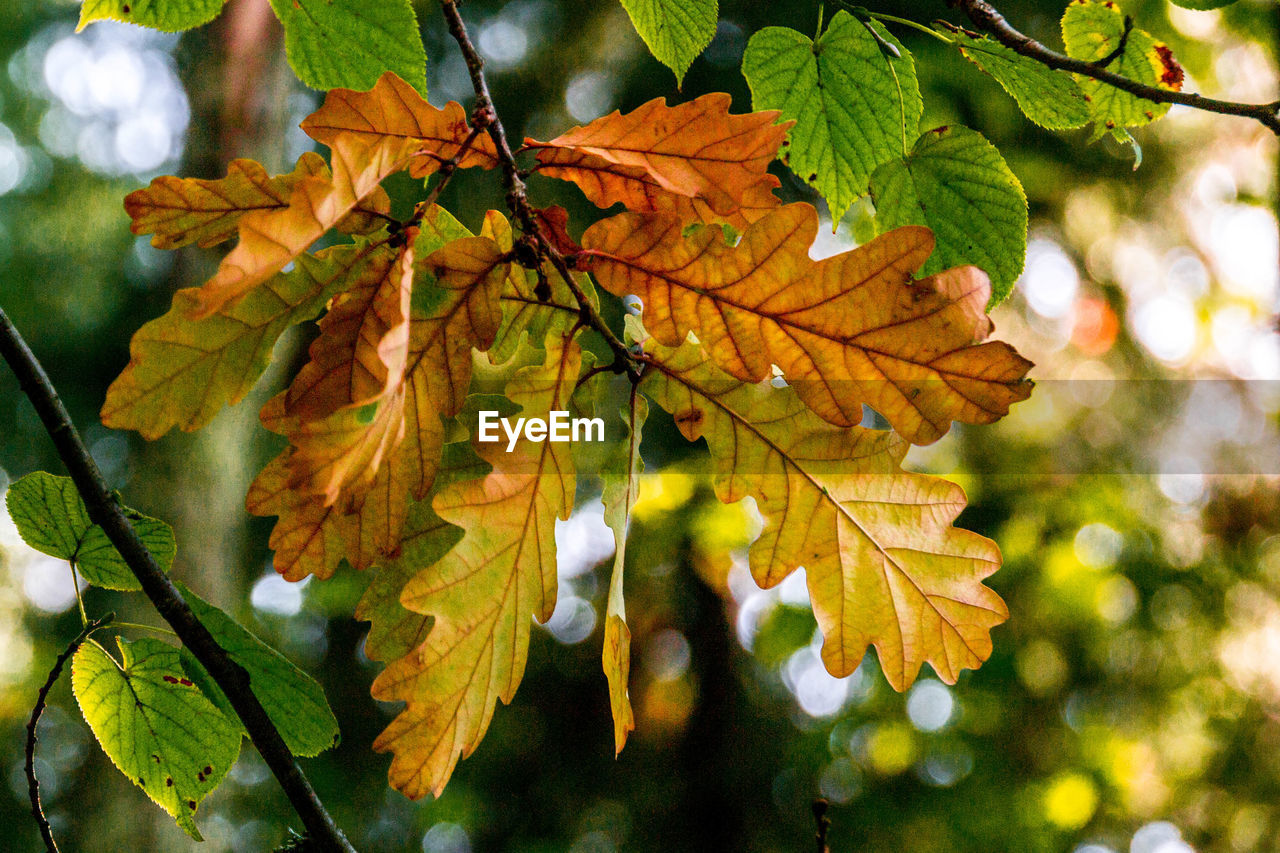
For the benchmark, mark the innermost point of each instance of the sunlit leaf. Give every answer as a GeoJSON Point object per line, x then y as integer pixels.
{"type": "Point", "coordinates": [169, 16]}
{"type": "Point", "coordinates": [676, 31]}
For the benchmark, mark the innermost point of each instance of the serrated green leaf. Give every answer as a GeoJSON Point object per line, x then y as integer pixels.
{"type": "Point", "coordinates": [1094, 31]}
{"type": "Point", "coordinates": [292, 699]}
{"type": "Point", "coordinates": [956, 183]}
{"type": "Point", "coordinates": [676, 31]}
{"type": "Point", "coordinates": [52, 518]}
{"type": "Point", "coordinates": [169, 16]}
{"type": "Point", "coordinates": [154, 724]}
{"type": "Point", "coordinates": [1051, 99]}
{"type": "Point", "coordinates": [854, 106]}
{"type": "Point", "coordinates": [347, 44]}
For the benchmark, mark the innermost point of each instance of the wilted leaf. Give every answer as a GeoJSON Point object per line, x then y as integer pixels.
{"type": "Point", "coordinates": [957, 184]}
{"type": "Point", "coordinates": [182, 371]}
{"type": "Point", "coordinates": [1094, 31]}
{"type": "Point", "coordinates": [884, 565]}
{"type": "Point", "coordinates": [676, 31]}
{"type": "Point", "coordinates": [621, 491]}
{"type": "Point", "coordinates": [1050, 98]}
{"type": "Point", "coordinates": [154, 724]}
{"type": "Point", "coordinates": [51, 517]}
{"type": "Point", "coordinates": [393, 110]}
{"type": "Point", "coordinates": [854, 107]}
{"type": "Point", "coordinates": [292, 699]}
{"type": "Point", "coordinates": [482, 592]}
{"type": "Point", "coordinates": [694, 160]}
{"type": "Point", "coordinates": [851, 329]}
{"type": "Point", "coordinates": [333, 43]}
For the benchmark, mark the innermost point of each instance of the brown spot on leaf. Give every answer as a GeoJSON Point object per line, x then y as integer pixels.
{"type": "Point", "coordinates": [208, 771]}
{"type": "Point", "coordinates": [1171, 74]}
{"type": "Point", "coordinates": [168, 782]}
{"type": "Point", "coordinates": [126, 9]}
{"type": "Point", "coordinates": [171, 679]}
{"type": "Point", "coordinates": [191, 804]}
{"type": "Point", "coordinates": [186, 682]}
{"type": "Point", "coordinates": [812, 177]}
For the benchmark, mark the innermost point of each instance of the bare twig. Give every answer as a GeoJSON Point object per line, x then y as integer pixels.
{"type": "Point", "coordinates": [33, 784]}
{"type": "Point", "coordinates": [105, 511]}
{"type": "Point", "coordinates": [820, 806]}
{"type": "Point", "coordinates": [518, 198]}
{"type": "Point", "coordinates": [985, 17]}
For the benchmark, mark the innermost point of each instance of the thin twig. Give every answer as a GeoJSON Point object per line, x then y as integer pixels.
{"type": "Point", "coordinates": [820, 806]}
{"type": "Point", "coordinates": [104, 510]}
{"type": "Point", "coordinates": [986, 18]}
{"type": "Point", "coordinates": [518, 198]}
{"type": "Point", "coordinates": [33, 784]}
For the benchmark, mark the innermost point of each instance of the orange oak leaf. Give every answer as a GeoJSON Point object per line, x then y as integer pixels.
{"type": "Point", "coordinates": [884, 565]}
{"type": "Point", "coordinates": [307, 537]}
{"type": "Point", "coordinates": [851, 329]}
{"type": "Point", "coordinates": [182, 372]}
{"type": "Point", "coordinates": [695, 160]}
{"type": "Point", "coordinates": [483, 591]}
{"type": "Point", "coordinates": [394, 109]}
{"type": "Point", "coordinates": [271, 239]}
{"type": "Point", "coordinates": [181, 211]}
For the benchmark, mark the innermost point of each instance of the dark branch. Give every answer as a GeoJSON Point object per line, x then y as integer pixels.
{"type": "Point", "coordinates": [33, 784]}
{"type": "Point", "coordinates": [104, 510]}
{"type": "Point", "coordinates": [517, 195]}
{"type": "Point", "coordinates": [985, 17]}
{"type": "Point", "coordinates": [823, 822]}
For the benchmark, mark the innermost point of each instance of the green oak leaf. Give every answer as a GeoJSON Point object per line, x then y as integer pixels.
{"type": "Point", "coordinates": [1093, 31]}
{"type": "Point", "coordinates": [1051, 99]}
{"type": "Point", "coordinates": [347, 44]}
{"type": "Point", "coordinates": [955, 182]}
{"type": "Point", "coordinates": [855, 107]}
{"type": "Point", "coordinates": [676, 31]}
{"type": "Point", "coordinates": [154, 724]}
{"type": "Point", "coordinates": [52, 518]}
{"type": "Point", "coordinates": [170, 16]}
{"type": "Point", "coordinates": [292, 699]}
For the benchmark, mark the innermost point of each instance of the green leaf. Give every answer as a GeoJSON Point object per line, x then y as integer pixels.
{"type": "Point", "coordinates": [170, 16]}
{"type": "Point", "coordinates": [155, 724]}
{"type": "Point", "coordinates": [1094, 31]}
{"type": "Point", "coordinates": [292, 699]}
{"type": "Point", "coordinates": [1051, 99]}
{"type": "Point", "coordinates": [956, 183]}
{"type": "Point", "coordinates": [347, 44]}
{"type": "Point", "coordinates": [676, 31]}
{"type": "Point", "coordinates": [854, 106]}
{"type": "Point", "coordinates": [51, 518]}
{"type": "Point", "coordinates": [1202, 4]}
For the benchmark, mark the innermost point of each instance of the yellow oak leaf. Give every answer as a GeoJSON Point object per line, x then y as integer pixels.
{"type": "Point", "coordinates": [393, 108]}
{"type": "Point", "coordinates": [181, 211]}
{"type": "Point", "coordinates": [307, 537]}
{"type": "Point", "coordinates": [885, 566]}
{"type": "Point", "coordinates": [181, 371]}
{"type": "Point", "coordinates": [852, 329]}
{"type": "Point", "coordinates": [483, 591]}
{"type": "Point", "coordinates": [695, 160]}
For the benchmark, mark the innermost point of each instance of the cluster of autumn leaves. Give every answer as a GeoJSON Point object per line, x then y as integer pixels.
{"type": "Point", "coordinates": [459, 536]}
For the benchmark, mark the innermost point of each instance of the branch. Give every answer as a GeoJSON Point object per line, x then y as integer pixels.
{"type": "Point", "coordinates": [33, 784]}
{"type": "Point", "coordinates": [104, 510]}
{"type": "Point", "coordinates": [518, 198]}
{"type": "Point", "coordinates": [986, 18]}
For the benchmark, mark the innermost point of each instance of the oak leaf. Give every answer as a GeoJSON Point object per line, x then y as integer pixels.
{"type": "Point", "coordinates": [483, 591]}
{"type": "Point", "coordinates": [695, 160]}
{"type": "Point", "coordinates": [393, 109]}
{"type": "Point", "coordinates": [851, 329]}
{"type": "Point", "coordinates": [884, 565]}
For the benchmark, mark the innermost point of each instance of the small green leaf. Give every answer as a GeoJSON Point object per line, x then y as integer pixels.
{"type": "Point", "coordinates": [154, 724]}
{"type": "Point", "coordinates": [347, 44]}
{"type": "Point", "coordinates": [1051, 99]}
{"type": "Point", "coordinates": [51, 517]}
{"type": "Point", "coordinates": [1094, 32]}
{"type": "Point", "coordinates": [676, 31]}
{"type": "Point", "coordinates": [292, 699]}
{"type": "Point", "coordinates": [170, 16]}
{"type": "Point", "coordinates": [956, 183]}
{"type": "Point", "coordinates": [854, 106]}
{"type": "Point", "coordinates": [1202, 4]}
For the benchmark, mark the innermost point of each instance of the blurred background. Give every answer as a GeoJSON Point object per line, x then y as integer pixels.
{"type": "Point", "coordinates": [1133, 699]}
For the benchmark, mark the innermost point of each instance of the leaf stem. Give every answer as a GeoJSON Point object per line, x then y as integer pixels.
{"type": "Point", "coordinates": [105, 511]}
{"type": "Point", "coordinates": [139, 626]}
{"type": "Point", "coordinates": [517, 194]}
{"type": "Point", "coordinates": [42, 699]}
{"type": "Point", "coordinates": [985, 17]}
{"type": "Point", "coordinates": [915, 25]}
{"type": "Point", "coordinates": [75, 585]}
